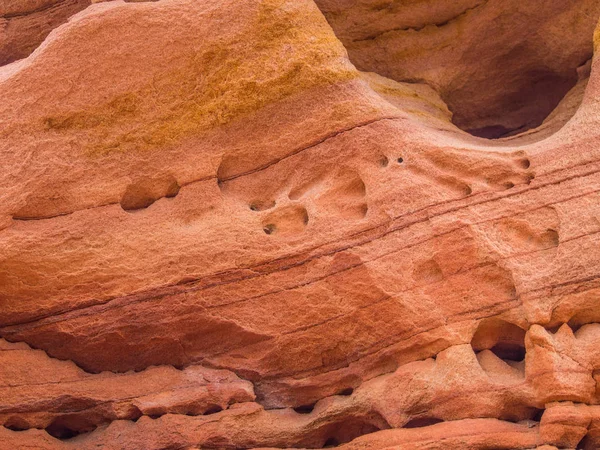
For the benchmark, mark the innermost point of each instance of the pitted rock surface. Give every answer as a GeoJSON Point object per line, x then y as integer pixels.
{"type": "Point", "coordinates": [364, 224]}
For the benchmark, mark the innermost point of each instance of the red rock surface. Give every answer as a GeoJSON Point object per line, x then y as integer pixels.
{"type": "Point", "coordinates": [257, 224]}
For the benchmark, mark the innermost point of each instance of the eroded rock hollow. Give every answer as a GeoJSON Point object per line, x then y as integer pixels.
{"type": "Point", "coordinates": [235, 224]}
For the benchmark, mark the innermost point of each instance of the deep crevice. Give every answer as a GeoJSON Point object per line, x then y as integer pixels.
{"type": "Point", "coordinates": [389, 229]}
{"type": "Point", "coordinates": [67, 427]}
{"type": "Point", "coordinates": [346, 392]}
{"type": "Point", "coordinates": [510, 90]}
{"type": "Point", "coordinates": [503, 339]}
{"type": "Point", "coordinates": [305, 409]}
{"type": "Point", "coordinates": [213, 410]}
{"type": "Point", "coordinates": [349, 428]}
{"type": "Point", "coordinates": [536, 97]}
{"type": "Point", "coordinates": [330, 443]}
{"type": "Point", "coordinates": [439, 24]}
{"type": "Point", "coordinates": [420, 422]}
{"type": "Point", "coordinates": [588, 442]}
{"type": "Point", "coordinates": [536, 414]}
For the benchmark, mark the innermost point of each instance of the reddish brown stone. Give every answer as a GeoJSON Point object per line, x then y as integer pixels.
{"type": "Point", "coordinates": [216, 231]}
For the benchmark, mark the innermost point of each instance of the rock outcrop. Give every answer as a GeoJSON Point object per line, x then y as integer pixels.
{"type": "Point", "coordinates": [24, 24]}
{"type": "Point", "coordinates": [501, 67]}
{"type": "Point", "coordinates": [280, 223]}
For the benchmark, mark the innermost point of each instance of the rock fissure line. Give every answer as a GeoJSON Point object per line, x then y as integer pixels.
{"type": "Point", "coordinates": [383, 299]}
{"type": "Point", "coordinates": [136, 297]}
{"type": "Point", "coordinates": [441, 24]}
{"type": "Point", "coordinates": [215, 177]}
{"type": "Point", "coordinates": [203, 361]}
{"type": "Point", "coordinates": [104, 205]}
{"type": "Point", "coordinates": [418, 276]}
{"type": "Point", "coordinates": [50, 6]}
{"type": "Point", "coordinates": [314, 144]}
{"type": "Point", "coordinates": [518, 298]}
{"type": "Point", "coordinates": [369, 351]}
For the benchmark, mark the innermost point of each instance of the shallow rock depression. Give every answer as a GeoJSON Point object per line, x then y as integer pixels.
{"type": "Point", "coordinates": [244, 224]}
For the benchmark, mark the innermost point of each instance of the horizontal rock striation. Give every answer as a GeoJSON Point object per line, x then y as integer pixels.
{"type": "Point", "coordinates": [262, 224]}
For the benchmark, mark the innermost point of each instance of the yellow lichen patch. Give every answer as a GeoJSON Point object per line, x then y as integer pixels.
{"type": "Point", "coordinates": [290, 49]}
{"type": "Point", "coordinates": [597, 39]}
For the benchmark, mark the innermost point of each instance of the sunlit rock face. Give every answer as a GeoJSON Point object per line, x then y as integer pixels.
{"type": "Point", "coordinates": [284, 223]}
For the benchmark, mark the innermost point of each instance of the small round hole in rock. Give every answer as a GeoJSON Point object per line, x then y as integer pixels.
{"type": "Point", "coordinates": [269, 228]}
{"type": "Point", "coordinates": [261, 205]}
{"type": "Point", "coordinates": [346, 392]}
{"type": "Point", "coordinates": [525, 163]}
{"type": "Point", "coordinates": [400, 160]}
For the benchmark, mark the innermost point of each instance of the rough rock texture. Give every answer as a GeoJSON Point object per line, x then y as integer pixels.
{"type": "Point", "coordinates": [217, 232]}
{"type": "Point", "coordinates": [24, 24]}
{"type": "Point", "coordinates": [501, 66]}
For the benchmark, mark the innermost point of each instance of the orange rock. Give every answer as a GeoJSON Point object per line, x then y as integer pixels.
{"type": "Point", "coordinates": [500, 67]}
{"type": "Point", "coordinates": [257, 223]}
{"type": "Point", "coordinates": [24, 24]}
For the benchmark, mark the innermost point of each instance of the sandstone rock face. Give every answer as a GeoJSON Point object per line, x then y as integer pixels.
{"type": "Point", "coordinates": [280, 223]}
{"type": "Point", "coordinates": [501, 67]}
{"type": "Point", "coordinates": [24, 24]}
